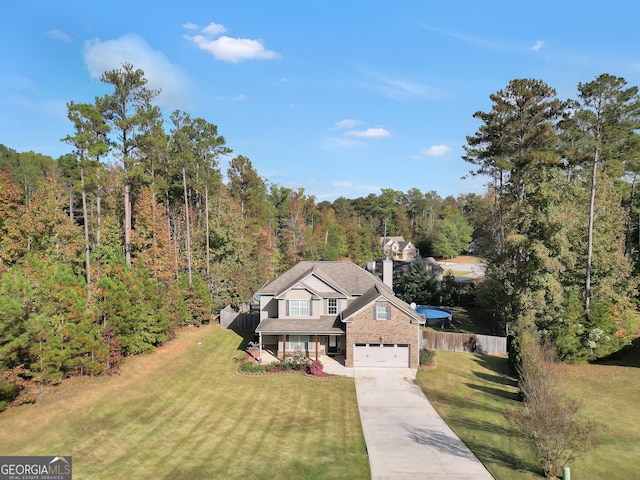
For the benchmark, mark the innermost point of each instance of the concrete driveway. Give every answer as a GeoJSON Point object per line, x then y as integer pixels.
{"type": "Point", "coordinates": [406, 438]}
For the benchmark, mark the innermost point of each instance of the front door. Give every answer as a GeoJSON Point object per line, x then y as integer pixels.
{"type": "Point", "coordinates": [333, 345]}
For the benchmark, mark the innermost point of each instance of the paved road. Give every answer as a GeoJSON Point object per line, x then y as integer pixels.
{"type": "Point", "coordinates": [406, 438]}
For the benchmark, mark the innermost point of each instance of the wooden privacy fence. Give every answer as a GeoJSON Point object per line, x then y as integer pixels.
{"type": "Point", "coordinates": [463, 342]}
{"type": "Point", "coordinates": [233, 320]}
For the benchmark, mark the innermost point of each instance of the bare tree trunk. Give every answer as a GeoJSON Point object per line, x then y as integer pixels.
{"type": "Point", "coordinates": [87, 247]}
{"type": "Point", "coordinates": [629, 242]}
{"type": "Point", "coordinates": [98, 215]}
{"type": "Point", "coordinates": [188, 228]}
{"type": "Point", "coordinates": [206, 221]}
{"type": "Point", "coordinates": [127, 222]}
{"type": "Point", "coordinates": [592, 208]}
{"type": "Point", "coordinates": [71, 203]}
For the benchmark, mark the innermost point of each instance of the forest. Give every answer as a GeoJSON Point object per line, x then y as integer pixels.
{"type": "Point", "coordinates": [108, 251]}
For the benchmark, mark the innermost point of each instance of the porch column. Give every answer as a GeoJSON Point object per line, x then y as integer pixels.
{"type": "Point", "coordinates": [259, 347]}
{"type": "Point", "coordinates": [316, 347]}
{"type": "Point", "coordinates": [284, 345]}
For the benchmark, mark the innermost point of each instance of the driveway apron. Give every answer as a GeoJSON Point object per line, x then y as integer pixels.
{"type": "Point", "coordinates": [405, 437]}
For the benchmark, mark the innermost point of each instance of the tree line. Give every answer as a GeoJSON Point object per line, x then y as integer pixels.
{"type": "Point", "coordinates": [107, 251]}
{"type": "Point", "coordinates": [561, 232]}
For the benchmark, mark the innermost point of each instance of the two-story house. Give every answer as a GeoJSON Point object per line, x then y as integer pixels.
{"type": "Point", "coordinates": [341, 309]}
{"type": "Point", "coordinates": [398, 248]}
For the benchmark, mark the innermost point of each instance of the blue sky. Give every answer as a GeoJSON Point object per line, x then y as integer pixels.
{"type": "Point", "coordinates": [341, 98]}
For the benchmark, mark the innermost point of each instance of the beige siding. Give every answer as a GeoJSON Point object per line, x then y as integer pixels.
{"type": "Point", "coordinates": [364, 329]}
{"type": "Point", "coordinates": [318, 285]}
{"type": "Point", "coordinates": [268, 307]}
{"type": "Point", "coordinates": [299, 294]}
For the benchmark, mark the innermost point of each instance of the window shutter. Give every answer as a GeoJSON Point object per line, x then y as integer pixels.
{"type": "Point", "coordinates": [311, 308]}
{"type": "Point", "coordinates": [287, 308]}
{"type": "Point", "coordinates": [388, 312]}
{"type": "Point", "coordinates": [375, 308]}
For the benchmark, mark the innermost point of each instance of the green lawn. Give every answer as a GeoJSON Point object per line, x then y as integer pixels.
{"type": "Point", "coordinates": [472, 391]}
{"type": "Point", "coordinates": [184, 412]}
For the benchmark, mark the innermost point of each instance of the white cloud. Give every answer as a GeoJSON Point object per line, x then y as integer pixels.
{"type": "Point", "coordinates": [470, 39]}
{"type": "Point", "coordinates": [131, 48]}
{"type": "Point", "coordinates": [397, 88]}
{"type": "Point", "coordinates": [214, 29]}
{"type": "Point", "coordinates": [539, 44]}
{"type": "Point", "coordinates": [348, 123]}
{"type": "Point", "coordinates": [59, 35]}
{"type": "Point", "coordinates": [339, 143]}
{"type": "Point", "coordinates": [369, 133]}
{"type": "Point", "coordinates": [191, 26]}
{"type": "Point", "coordinates": [229, 49]}
{"type": "Point", "coordinates": [435, 150]}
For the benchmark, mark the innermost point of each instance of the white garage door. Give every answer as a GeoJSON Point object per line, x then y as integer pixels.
{"type": "Point", "coordinates": [380, 355]}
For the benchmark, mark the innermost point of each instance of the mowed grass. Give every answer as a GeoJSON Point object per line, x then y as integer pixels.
{"type": "Point", "coordinates": [183, 412]}
{"type": "Point", "coordinates": [471, 392]}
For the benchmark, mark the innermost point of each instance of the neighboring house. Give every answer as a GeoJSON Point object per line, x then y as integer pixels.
{"type": "Point", "coordinates": [340, 309]}
{"type": "Point", "coordinates": [398, 248]}
{"type": "Point", "coordinates": [434, 267]}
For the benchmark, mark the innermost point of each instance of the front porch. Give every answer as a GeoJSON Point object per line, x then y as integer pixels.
{"type": "Point", "coordinates": [312, 346]}
{"type": "Point", "coordinates": [312, 338]}
{"type": "Point", "coordinates": [333, 365]}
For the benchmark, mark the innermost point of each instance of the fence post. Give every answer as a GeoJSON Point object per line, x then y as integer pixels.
{"type": "Point", "coordinates": [566, 473]}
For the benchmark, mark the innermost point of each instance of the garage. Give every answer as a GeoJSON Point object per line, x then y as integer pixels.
{"type": "Point", "coordinates": [381, 355]}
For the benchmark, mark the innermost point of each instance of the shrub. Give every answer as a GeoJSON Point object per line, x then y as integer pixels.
{"type": "Point", "coordinates": [295, 362]}
{"type": "Point", "coordinates": [546, 419]}
{"type": "Point", "coordinates": [315, 368]}
{"type": "Point", "coordinates": [427, 356]}
{"type": "Point", "coordinates": [249, 367]}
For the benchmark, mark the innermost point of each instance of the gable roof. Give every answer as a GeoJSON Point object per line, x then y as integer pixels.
{"type": "Point", "coordinates": [346, 277]}
{"type": "Point", "coordinates": [388, 240]}
{"type": "Point", "coordinates": [373, 294]}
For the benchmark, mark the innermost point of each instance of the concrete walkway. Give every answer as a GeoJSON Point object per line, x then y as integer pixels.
{"type": "Point", "coordinates": [405, 437]}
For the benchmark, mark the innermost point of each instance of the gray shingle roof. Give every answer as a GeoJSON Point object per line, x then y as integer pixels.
{"type": "Point", "coordinates": [345, 276]}
{"type": "Point", "coordinates": [322, 326]}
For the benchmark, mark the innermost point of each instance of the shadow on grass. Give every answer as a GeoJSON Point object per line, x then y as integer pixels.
{"type": "Point", "coordinates": [498, 392]}
{"type": "Point", "coordinates": [246, 337]}
{"type": "Point", "coordinates": [483, 426]}
{"type": "Point", "coordinates": [496, 364]}
{"type": "Point", "coordinates": [499, 379]}
{"type": "Point", "coordinates": [499, 457]}
{"type": "Point", "coordinates": [490, 452]}
{"type": "Point", "coordinates": [448, 400]}
{"type": "Point", "coordinates": [628, 356]}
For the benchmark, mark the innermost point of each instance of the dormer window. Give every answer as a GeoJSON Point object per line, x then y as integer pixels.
{"type": "Point", "coordinates": [332, 306]}
{"type": "Point", "coordinates": [298, 308]}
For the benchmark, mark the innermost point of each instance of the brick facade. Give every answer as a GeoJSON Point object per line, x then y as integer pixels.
{"type": "Point", "coordinates": [399, 329]}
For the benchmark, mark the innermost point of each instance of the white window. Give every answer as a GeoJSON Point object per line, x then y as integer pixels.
{"type": "Point", "coordinates": [297, 342]}
{"type": "Point", "coordinates": [382, 312]}
{"type": "Point", "coordinates": [299, 308]}
{"type": "Point", "coordinates": [332, 306]}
